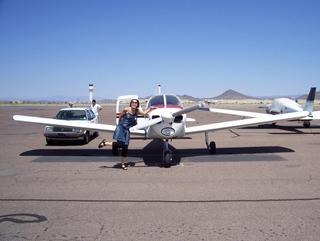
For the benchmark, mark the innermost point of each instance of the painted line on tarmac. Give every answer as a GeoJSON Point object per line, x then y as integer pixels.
{"type": "Point", "coordinates": [158, 201]}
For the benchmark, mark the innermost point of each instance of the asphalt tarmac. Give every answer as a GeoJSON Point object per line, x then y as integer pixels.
{"type": "Point", "coordinates": [263, 184]}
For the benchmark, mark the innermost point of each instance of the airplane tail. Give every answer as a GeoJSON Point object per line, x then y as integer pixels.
{"type": "Point", "coordinates": [310, 99]}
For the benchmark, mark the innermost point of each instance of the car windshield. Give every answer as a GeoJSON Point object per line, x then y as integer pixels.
{"type": "Point", "coordinates": [71, 115]}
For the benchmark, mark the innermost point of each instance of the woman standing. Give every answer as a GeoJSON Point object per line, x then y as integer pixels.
{"type": "Point", "coordinates": [127, 119]}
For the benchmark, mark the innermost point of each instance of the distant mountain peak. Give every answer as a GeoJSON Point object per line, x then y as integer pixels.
{"type": "Point", "coordinates": [232, 95]}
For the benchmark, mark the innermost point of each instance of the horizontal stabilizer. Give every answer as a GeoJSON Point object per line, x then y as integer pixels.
{"type": "Point", "coordinates": [316, 115]}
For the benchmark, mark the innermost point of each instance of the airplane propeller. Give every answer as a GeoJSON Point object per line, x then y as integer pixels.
{"type": "Point", "coordinates": [189, 109]}
{"type": "Point", "coordinates": [146, 124]}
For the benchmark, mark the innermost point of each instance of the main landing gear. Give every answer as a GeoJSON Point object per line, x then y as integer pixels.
{"type": "Point", "coordinates": [306, 124]}
{"type": "Point", "coordinates": [210, 146]}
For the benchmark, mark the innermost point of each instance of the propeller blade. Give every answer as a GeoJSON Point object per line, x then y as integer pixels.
{"type": "Point", "coordinates": [188, 109]}
{"type": "Point", "coordinates": [146, 124]}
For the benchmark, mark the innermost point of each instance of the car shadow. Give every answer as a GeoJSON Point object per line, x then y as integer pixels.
{"type": "Point", "coordinates": [151, 154]}
{"type": "Point", "coordinates": [71, 142]}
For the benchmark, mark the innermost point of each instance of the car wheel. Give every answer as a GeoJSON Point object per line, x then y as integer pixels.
{"type": "Point", "coordinates": [86, 138]}
{"type": "Point", "coordinates": [49, 142]}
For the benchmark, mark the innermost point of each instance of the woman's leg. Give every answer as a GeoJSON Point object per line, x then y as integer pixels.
{"type": "Point", "coordinates": [104, 142]}
{"type": "Point", "coordinates": [124, 155]}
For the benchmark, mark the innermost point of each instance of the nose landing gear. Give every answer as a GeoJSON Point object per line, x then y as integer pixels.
{"type": "Point", "coordinates": [166, 154]}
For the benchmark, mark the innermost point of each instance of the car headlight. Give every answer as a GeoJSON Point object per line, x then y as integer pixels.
{"type": "Point", "coordinates": [77, 130]}
{"type": "Point", "coordinates": [49, 129]}
{"type": "Point", "coordinates": [168, 131]}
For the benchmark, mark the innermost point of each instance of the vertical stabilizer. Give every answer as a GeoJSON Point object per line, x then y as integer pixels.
{"type": "Point", "coordinates": [310, 99]}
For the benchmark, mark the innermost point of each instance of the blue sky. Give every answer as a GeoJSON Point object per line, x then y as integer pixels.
{"type": "Point", "coordinates": [200, 48]}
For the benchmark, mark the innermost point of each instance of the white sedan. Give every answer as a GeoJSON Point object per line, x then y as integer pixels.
{"type": "Point", "coordinates": [55, 134]}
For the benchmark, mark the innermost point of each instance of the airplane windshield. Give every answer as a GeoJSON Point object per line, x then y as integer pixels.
{"type": "Point", "coordinates": [156, 101]}
{"type": "Point", "coordinates": [159, 101]}
{"type": "Point", "coordinates": [173, 101]}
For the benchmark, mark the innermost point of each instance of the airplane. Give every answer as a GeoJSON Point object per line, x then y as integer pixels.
{"type": "Point", "coordinates": [168, 121]}
{"type": "Point", "coordinates": [286, 105]}
{"type": "Point", "coordinates": [283, 106]}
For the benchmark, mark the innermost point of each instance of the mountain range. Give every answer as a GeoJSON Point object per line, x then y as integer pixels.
{"type": "Point", "coordinates": [227, 95]}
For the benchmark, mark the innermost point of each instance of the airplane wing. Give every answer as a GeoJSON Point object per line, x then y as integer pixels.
{"type": "Point", "coordinates": [245, 122]}
{"type": "Point", "coordinates": [75, 124]}
{"type": "Point", "coordinates": [316, 115]}
{"type": "Point", "coordinates": [236, 112]}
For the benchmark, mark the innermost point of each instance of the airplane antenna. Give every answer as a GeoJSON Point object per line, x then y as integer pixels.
{"type": "Point", "coordinates": [159, 89]}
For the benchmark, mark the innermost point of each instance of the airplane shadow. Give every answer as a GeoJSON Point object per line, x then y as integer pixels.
{"type": "Point", "coordinates": [290, 129]}
{"type": "Point", "coordinates": [152, 154]}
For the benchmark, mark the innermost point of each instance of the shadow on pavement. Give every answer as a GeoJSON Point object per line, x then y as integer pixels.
{"type": "Point", "coordinates": [152, 154]}
{"type": "Point", "coordinates": [290, 129]}
{"type": "Point", "coordinates": [22, 218]}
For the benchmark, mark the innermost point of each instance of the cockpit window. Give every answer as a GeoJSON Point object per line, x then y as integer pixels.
{"type": "Point", "coordinates": [173, 101]}
{"type": "Point", "coordinates": [156, 101]}
{"type": "Point", "coordinates": [168, 101]}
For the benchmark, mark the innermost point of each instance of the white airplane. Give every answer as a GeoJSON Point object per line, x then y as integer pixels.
{"type": "Point", "coordinates": [168, 121]}
{"type": "Point", "coordinates": [286, 105]}
{"type": "Point", "coordinates": [282, 106]}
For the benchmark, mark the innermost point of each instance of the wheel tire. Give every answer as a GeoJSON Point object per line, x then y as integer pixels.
{"type": "Point", "coordinates": [49, 142]}
{"type": "Point", "coordinates": [306, 124]}
{"type": "Point", "coordinates": [86, 138]}
{"type": "Point", "coordinates": [167, 159]}
{"type": "Point", "coordinates": [212, 147]}
{"type": "Point", "coordinates": [115, 149]}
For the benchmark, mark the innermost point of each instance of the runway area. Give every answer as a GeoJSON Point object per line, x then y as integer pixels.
{"type": "Point", "coordinates": [263, 184]}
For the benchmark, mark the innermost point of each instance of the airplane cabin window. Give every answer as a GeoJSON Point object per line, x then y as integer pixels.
{"type": "Point", "coordinates": [172, 100]}
{"type": "Point", "coordinates": [156, 101]}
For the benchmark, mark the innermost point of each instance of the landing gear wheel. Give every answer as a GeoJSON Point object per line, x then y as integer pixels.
{"type": "Point", "coordinates": [115, 149]}
{"type": "Point", "coordinates": [212, 148]}
{"type": "Point", "coordinates": [306, 124]}
{"type": "Point", "coordinates": [167, 158]}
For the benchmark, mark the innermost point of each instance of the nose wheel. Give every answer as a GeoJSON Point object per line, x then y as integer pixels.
{"type": "Point", "coordinates": [167, 154]}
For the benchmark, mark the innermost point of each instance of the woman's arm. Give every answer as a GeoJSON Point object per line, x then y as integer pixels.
{"type": "Point", "coordinates": [123, 112]}
{"type": "Point", "coordinates": [145, 113]}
